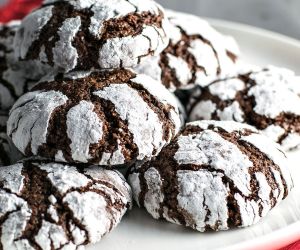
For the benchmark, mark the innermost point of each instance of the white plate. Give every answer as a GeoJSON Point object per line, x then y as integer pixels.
{"type": "Point", "coordinates": [281, 227]}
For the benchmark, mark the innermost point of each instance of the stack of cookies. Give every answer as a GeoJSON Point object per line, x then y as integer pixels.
{"type": "Point", "coordinates": [90, 88]}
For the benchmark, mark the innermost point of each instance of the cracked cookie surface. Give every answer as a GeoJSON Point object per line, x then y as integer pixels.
{"type": "Point", "coordinates": [50, 206]}
{"type": "Point", "coordinates": [213, 176]}
{"type": "Point", "coordinates": [197, 54]}
{"type": "Point", "coordinates": [267, 98]}
{"type": "Point", "coordinates": [109, 118]}
{"type": "Point", "coordinates": [82, 35]}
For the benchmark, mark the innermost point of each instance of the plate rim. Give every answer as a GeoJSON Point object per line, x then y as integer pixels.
{"type": "Point", "coordinates": [257, 31]}
{"type": "Point", "coordinates": [291, 233]}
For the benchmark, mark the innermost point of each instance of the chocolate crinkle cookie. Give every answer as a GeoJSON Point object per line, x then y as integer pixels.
{"type": "Point", "coordinates": [15, 78]}
{"type": "Point", "coordinates": [108, 118]}
{"type": "Point", "coordinates": [101, 34]}
{"type": "Point", "coordinates": [213, 176]}
{"type": "Point", "coordinates": [268, 99]}
{"type": "Point", "coordinates": [53, 206]}
{"type": "Point", "coordinates": [197, 54]}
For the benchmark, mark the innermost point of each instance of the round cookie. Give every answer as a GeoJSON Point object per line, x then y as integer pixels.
{"type": "Point", "coordinates": [213, 176]}
{"type": "Point", "coordinates": [267, 98]}
{"type": "Point", "coordinates": [53, 206]}
{"type": "Point", "coordinates": [197, 54]}
{"type": "Point", "coordinates": [101, 34]}
{"type": "Point", "coordinates": [108, 118]}
{"type": "Point", "coordinates": [13, 74]}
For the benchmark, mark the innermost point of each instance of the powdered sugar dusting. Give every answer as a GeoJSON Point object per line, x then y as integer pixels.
{"type": "Point", "coordinates": [51, 235]}
{"type": "Point", "coordinates": [153, 197]}
{"type": "Point", "coordinates": [218, 181]}
{"type": "Point", "coordinates": [249, 210]}
{"type": "Point", "coordinates": [232, 113]}
{"type": "Point", "coordinates": [226, 89]}
{"type": "Point", "coordinates": [65, 177]}
{"type": "Point", "coordinates": [204, 197]}
{"type": "Point", "coordinates": [292, 141]}
{"type": "Point", "coordinates": [203, 110]}
{"type": "Point", "coordinates": [92, 213]}
{"type": "Point", "coordinates": [18, 214]}
{"type": "Point", "coordinates": [89, 19]}
{"type": "Point", "coordinates": [273, 98]}
{"type": "Point", "coordinates": [127, 51]}
{"type": "Point", "coordinates": [88, 214]}
{"type": "Point", "coordinates": [209, 147]}
{"type": "Point", "coordinates": [134, 181]}
{"type": "Point", "coordinates": [11, 178]}
{"type": "Point", "coordinates": [267, 98]}
{"type": "Point", "coordinates": [196, 55]}
{"type": "Point", "coordinates": [67, 32]}
{"type": "Point", "coordinates": [30, 30]}
{"type": "Point", "coordinates": [274, 132]}
{"type": "Point", "coordinates": [181, 69]}
{"type": "Point", "coordinates": [228, 126]}
{"type": "Point", "coordinates": [274, 152]}
{"type": "Point", "coordinates": [83, 128]}
{"type": "Point", "coordinates": [264, 192]}
{"type": "Point", "coordinates": [143, 123]}
{"type": "Point", "coordinates": [150, 67]}
{"type": "Point", "coordinates": [31, 129]}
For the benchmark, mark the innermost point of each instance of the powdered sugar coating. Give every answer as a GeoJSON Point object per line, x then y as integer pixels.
{"type": "Point", "coordinates": [267, 98]}
{"type": "Point", "coordinates": [34, 24]}
{"type": "Point", "coordinates": [84, 128]}
{"type": "Point", "coordinates": [200, 192]}
{"type": "Point", "coordinates": [196, 55]}
{"type": "Point", "coordinates": [132, 108]}
{"type": "Point", "coordinates": [228, 126]}
{"type": "Point", "coordinates": [274, 152]}
{"type": "Point", "coordinates": [12, 179]}
{"type": "Point", "coordinates": [204, 109]}
{"type": "Point", "coordinates": [181, 69]}
{"type": "Point", "coordinates": [153, 197]}
{"type": "Point", "coordinates": [18, 214]}
{"type": "Point", "coordinates": [32, 128]}
{"type": "Point", "coordinates": [209, 148]}
{"type": "Point", "coordinates": [69, 28]}
{"type": "Point", "coordinates": [67, 32]}
{"type": "Point", "coordinates": [232, 113]}
{"type": "Point", "coordinates": [210, 178]}
{"type": "Point", "coordinates": [85, 222]}
{"type": "Point", "coordinates": [92, 117]}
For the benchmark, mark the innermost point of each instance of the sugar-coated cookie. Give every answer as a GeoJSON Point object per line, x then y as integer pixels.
{"type": "Point", "coordinates": [267, 98]}
{"type": "Point", "coordinates": [197, 54]}
{"type": "Point", "coordinates": [215, 175]}
{"type": "Point", "coordinates": [101, 34]}
{"type": "Point", "coordinates": [52, 206]}
{"type": "Point", "coordinates": [108, 118]}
